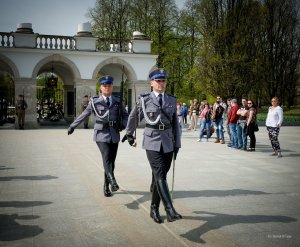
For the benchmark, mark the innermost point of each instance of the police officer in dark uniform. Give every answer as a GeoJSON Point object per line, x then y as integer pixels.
{"type": "Point", "coordinates": [161, 139]}
{"type": "Point", "coordinates": [106, 108]}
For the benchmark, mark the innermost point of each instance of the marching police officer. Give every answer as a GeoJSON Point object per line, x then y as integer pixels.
{"type": "Point", "coordinates": [107, 110]}
{"type": "Point", "coordinates": [161, 139]}
{"type": "Point", "coordinates": [21, 106]}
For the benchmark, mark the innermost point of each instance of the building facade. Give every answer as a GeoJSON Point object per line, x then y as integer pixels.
{"type": "Point", "coordinates": [78, 60]}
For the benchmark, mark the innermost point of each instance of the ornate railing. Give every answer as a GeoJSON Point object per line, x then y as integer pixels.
{"type": "Point", "coordinates": [55, 42]}
{"type": "Point", "coordinates": [6, 40]}
{"type": "Point", "coordinates": [114, 45]}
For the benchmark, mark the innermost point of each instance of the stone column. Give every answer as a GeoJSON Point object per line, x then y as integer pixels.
{"type": "Point", "coordinates": [84, 87]}
{"type": "Point", "coordinates": [27, 86]}
{"type": "Point", "coordinates": [138, 88]}
{"type": "Point", "coordinates": [67, 90]}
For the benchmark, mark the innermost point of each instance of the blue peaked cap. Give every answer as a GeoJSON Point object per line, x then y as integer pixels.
{"type": "Point", "coordinates": [106, 79]}
{"type": "Point", "coordinates": [158, 73]}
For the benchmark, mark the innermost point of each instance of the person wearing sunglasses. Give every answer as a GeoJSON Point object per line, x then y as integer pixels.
{"type": "Point", "coordinates": [251, 122]}
{"type": "Point", "coordinates": [273, 122]}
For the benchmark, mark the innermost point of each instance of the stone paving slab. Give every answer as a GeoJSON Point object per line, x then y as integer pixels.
{"type": "Point", "coordinates": [51, 193]}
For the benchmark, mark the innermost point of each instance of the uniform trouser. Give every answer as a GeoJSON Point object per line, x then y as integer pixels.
{"type": "Point", "coordinates": [160, 163]}
{"type": "Point", "coordinates": [21, 118]}
{"type": "Point", "coordinates": [109, 153]}
{"type": "Point", "coordinates": [273, 133]}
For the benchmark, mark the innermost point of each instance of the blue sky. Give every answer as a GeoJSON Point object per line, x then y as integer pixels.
{"type": "Point", "coordinates": [57, 17]}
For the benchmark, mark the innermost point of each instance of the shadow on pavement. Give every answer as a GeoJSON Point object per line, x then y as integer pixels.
{"type": "Point", "coordinates": [46, 177]}
{"type": "Point", "coordinates": [5, 168]}
{"type": "Point", "coordinates": [215, 221]}
{"type": "Point", "coordinates": [146, 196]}
{"type": "Point", "coordinates": [23, 204]}
{"type": "Point", "coordinates": [11, 229]}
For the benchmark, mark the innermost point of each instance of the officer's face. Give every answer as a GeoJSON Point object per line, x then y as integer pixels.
{"type": "Point", "coordinates": [106, 89]}
{"type": "Point", "coordinates": [159, 85]}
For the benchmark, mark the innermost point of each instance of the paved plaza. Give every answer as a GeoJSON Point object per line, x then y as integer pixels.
{"type": "Point", "coordinates": [51, 193]}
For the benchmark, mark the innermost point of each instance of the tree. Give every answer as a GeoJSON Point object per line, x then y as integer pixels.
{"type": "Point", "coordinates": [281, 48]}
{"type": "Point", "coordinates": [110, 19]}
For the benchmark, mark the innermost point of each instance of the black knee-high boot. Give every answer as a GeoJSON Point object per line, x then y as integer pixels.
{"type": "Point", "coordinates": [164, 193]}
{"type": "Point", "coordinates": [113, 182]}
{"type": "Point", "coordinates": [154, 210]}
{"type": "Point", "coordinates": [106, 190]}
{"type": "Point", "coordinates": [152, 183]}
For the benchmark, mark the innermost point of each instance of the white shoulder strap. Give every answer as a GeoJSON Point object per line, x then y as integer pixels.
{"type": "Point", "coordinates": [96, 112]}
{"type": "Point", "coordinates": [148, 121]}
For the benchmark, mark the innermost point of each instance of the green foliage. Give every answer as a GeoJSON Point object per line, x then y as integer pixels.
{"type": "Point", "coordinates": [231, 48]}
{"type": "Point", "coordinates": [6, 87]}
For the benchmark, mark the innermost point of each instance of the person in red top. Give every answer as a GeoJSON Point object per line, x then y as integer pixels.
{"type": "Point", "coordinates": [232, 122]}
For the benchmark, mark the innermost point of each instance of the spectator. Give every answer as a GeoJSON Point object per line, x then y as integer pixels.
{"type": "Point", "coordinates": [241, 125]}
{"type": "Point", "coordinates": [194, 115]}
{"type": "Point", "coordinates": [251, 122]}
{"type": "Point", "coordinates": [217, 118]}
{"type": "Point", "coordinates": [226, 118]}
{"type": "Point", "coordinates": [179, 115]}
{"type": "Point", "coordinates": [184, 112]}
{"type": "Point", "coordinates": [273, 122]}
{"type": "Point", "coordinates": [205, 119]}
{"type": "Point", "coordinates": [232, 121]}
{"type": "Point", "coordinates": [223, 104]}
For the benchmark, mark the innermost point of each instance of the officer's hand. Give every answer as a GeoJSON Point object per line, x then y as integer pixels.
{"type": "Point", "coordinates": [124, 138]}
{"type": "Point", "coordinates": [70, 130]}
{"type": "Point", "coordinates": [131, 140]}
{"type": "Point", "coordinates": [175, 153]}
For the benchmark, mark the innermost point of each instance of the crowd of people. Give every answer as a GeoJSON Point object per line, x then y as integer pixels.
{"type": "Point", "coordinates": [238, 119]}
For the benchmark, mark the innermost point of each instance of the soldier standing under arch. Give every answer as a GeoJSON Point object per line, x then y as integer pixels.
{"type": "Point", "coordinates": [21, 106]}
{"type": "Point", "coordinates": [84, 105]}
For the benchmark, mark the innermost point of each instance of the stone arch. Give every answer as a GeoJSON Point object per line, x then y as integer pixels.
{"type": "Point", "coordinates": [69, 74]}
{"type": "Point", "coordinates": [128, 69]}
{"type": "Point", "coordinates": [9, 66]}
{"type": "Point", "coordinates": [57, 60]}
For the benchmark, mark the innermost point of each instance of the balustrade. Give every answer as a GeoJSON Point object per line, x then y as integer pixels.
{"type": "Point", "coordinates": [55, 42]}
{"type": "Point", "coordinates": [6, 40]}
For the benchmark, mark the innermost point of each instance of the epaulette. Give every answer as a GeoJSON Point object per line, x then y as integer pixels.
{"type": "Point", "coordinates": [117, 98]}
{"type": "Point", "coordinates": [144, 94]}
{"type": "Point", "coordinates": [95, 97]}
{"type": "Point", "coordinates": [172, 96]}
